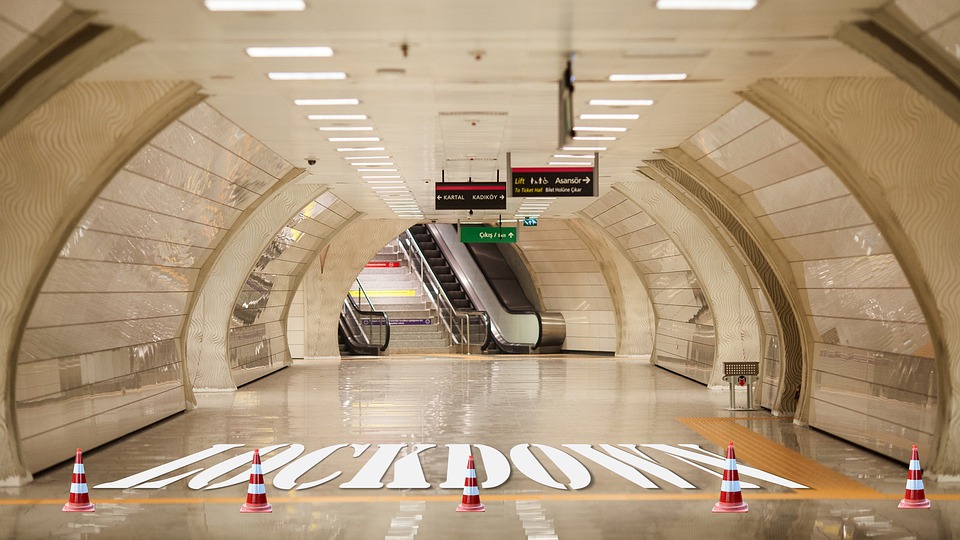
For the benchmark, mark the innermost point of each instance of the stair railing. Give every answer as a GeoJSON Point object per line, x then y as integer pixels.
{"type": "Point", "coordinates": [371, 326]}
{"type": "Point", "coordinates": [465, 327]}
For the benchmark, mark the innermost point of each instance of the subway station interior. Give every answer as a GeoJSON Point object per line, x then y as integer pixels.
{"type": "Point", "coordinates": [595, 248]}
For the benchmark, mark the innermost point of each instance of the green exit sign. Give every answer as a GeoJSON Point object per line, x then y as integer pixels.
{"type": "Point", "coordinates": [488, 235]}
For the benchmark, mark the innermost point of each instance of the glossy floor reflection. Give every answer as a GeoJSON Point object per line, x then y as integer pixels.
{"type": "Point", "coordinates": [566, 447]}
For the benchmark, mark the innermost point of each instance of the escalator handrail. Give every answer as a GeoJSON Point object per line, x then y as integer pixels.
{"type": "Point", "coordinates": [354, 309]}
{"type": "Point", "coordinates": [355, 346]}
{"type": "Point", "coordinates": [438, 292]}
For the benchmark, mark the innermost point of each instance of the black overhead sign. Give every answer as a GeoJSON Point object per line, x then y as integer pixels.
{"type": "Point", "coordinates": [471, 195]}
{"type": "Point", "coordinates": [553, 182]}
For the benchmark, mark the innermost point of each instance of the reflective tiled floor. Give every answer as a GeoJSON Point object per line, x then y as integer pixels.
{"type": "Point", "coordinates": [361, 415]}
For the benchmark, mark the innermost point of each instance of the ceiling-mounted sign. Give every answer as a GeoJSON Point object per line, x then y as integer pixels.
{"type": "Point", "coordinates": [553, 182]}
{"type": "Point", "coordinates": [488, 235]}
{"type": "Point", "coordinates": [471, 195]}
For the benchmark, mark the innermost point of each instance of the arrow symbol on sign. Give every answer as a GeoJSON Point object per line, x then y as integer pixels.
{"type": "Point", "coordinates": [586, 180]}
{"type": "Point", "coordinates": [439, 198]}
{"type": "Point", "coordinates": [510, 235]}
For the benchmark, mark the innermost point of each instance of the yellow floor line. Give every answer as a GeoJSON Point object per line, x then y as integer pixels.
{"type": "Point", "coordinates": [758, 451]}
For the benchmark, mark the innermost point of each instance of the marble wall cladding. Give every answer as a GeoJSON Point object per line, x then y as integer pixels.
{"type": "Point", "coordinates": [101, 344]}
{"type": "Point", "coordinates": [685, 335]}
{"type": "Point", "coordinates": [257, 343]}
{"type": "Point", "coordinates": [937, 20]}
{"type": "Point", "coordinates": [571, 281]}
{"type": "Point", "coordinates": [873, 365]}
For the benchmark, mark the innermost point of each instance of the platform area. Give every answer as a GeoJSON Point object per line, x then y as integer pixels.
{"type": "Point", "coordinates": [568, 447]}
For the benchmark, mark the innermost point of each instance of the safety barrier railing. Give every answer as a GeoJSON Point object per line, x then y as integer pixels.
{"type": "Point", "coordinates": [467, 328]}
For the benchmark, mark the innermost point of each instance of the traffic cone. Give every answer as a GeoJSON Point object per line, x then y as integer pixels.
{"type": "Point", "coordinates": [79, 497]}
{"type": "Point", "coordinates": [730, 499]}
{"type": "Point", "coordinates": [256, 492]}
{"type": "Point", "coordinates": [914, 496]}
{"type": "Point", "coordinates": [470, 502]}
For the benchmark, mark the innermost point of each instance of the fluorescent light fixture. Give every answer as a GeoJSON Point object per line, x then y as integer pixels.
{"type": "Point", "coordinates": [645, 77]}
{"type": "Point", "coordinates": [345, 128]}
{"type": "Point", "coordinates": [289, 52]}
{"type": "Point", "coordinates": [376, 170]}
{"type": "Point", "coordinates": [621, 102]}
{"type": "Point", "coordinates": [383, 176]}
{"type": "Point", "coordinates": [584, 148]}
{"type": "Point", "coordinates": [573, 156]}
{"type": "Point", "coordinates": [372, 164]}
{"type": "Point", "coordinates": [526, 215]}
{"type": "Point", "coordinates": [336, 117]}
{"type": "Point", "coordinates": [594, 138]}
{"type": "Point", "coordinates": [354, 139]}
{"type": "Point", "coordinates": [402, 204]}
{"type": "Point", "coordinates": [572, 163]}
{"type": "Point", "coordinates": [385, 188]}
{"type": "Point", "coordinates": [332, 101]}
{"type": "Point", "coordinates": [361, 149]}
{"type": "Point", "coordinates": [742, 5]}
{"type": "Point", "coordinates": [255, 5]}
{"type": "Point", "coordinates": [306, 75]}
{"type": "Point", "coordinates": [367, 157]}
{"type": "Point", "coordinates": [600, 129]}
{"type": "Point", "coordinates": [609, 116]}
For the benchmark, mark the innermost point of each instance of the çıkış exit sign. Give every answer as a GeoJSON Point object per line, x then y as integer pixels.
{"type": "Point", "coordinates": [553, 182]}
{"type": "Point", "coordinates": [488, 235]}
{"type": "Point", "coordinates": [471, 195]}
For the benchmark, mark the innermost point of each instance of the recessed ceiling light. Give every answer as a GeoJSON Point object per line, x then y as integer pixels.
{"type": "Point", "coordinates": [609, 116]}
{"type": "Point", "coordinates": [361, 149]}
{"type": "Point", "coordinates": [306, 75]}
{"type": "Point", "coordinates": [584, 148]}
{"type": "Point", "coordinates": [345, 128]}
{"type": "Point", "coordinates": [376, 170]}
{"type": "Point", "coordinates": [594, 138]}
{"type": "Point", "coordinates": [372, 163]}
{"type": "Point", "coordinates": [336, 117]}
{"type": "Point", "coordinates": [600, 129]}
{"type": "Point", "coordinates": [574, 163]}
{"type": "Point", "coordinates": [385, 188]}
{"type": "Point", "coordinates": [366, 157]}
{"type": "Point", "coordinates": [641, 77]}
{"type": "Point", "coordinates": [255, 5]}
{"type": "Point", "coordinates": [573, 156]}
{"type": "Point", "coordinates": [354, 139]}
{"type": "Point", "coordinates": [289, 52]}
{"type": "Point", "coordinates": [707, 4]}
{"type": "Point", "coordinates": [332, 101]}
{"type": "Point", "coordinates": [383, 176]}
{"type": "Point", "coordinates": [621, 102]}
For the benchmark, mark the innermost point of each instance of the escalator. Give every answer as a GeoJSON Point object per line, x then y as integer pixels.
{"type": "Point", "coordinates": [490, 285]}
{"type": "Point", "coordinates": [363, 332]}
{"type": "Point", "coordinates": [441, 268]}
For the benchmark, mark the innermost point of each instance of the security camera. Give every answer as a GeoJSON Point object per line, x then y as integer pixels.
{"type": "Point", "coordinates": [311, 161]}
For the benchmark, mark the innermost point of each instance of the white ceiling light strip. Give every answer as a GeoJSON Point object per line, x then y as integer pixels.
{"type": "Point", "coordinates": [255, 5]}
{"type": "Point", "coordinates": [739, 5]}
{"type": "Point", "coordinates": [289, 52]}
{"type": "Point", "coordinates": [307, 75]}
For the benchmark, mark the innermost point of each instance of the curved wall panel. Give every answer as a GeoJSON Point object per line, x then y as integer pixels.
{"type": "Point", "coordinates": [686, 337]}
{"type": "Point", "coordinates": [102, 343]}
{"type": "Point", "coordinates": [571, 281]}
{"type": "Point", "coordinates": [92, 128]}
{"type": "Point", "coordinates": [257, 342]}
{"type": "Point", "coordinates": [872, 364]}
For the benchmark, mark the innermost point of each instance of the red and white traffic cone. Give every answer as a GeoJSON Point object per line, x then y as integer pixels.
{"type": "Point", "coordinates": [79, 497]}
{"type": "Point", "coordinates": [470, 502]}
{"type": "Point", "coordinates": [914, 496]}
{"type": "Point", "coordinates": [256, 491]}
{"type": "Point", "coordinates": [730, 498]}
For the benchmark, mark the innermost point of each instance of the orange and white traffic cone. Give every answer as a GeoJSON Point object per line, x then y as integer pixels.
{"type": "Point", "coordinates": [79, 497]}
{"type": "Point", "coordinates": [470, 502]}
{"type": "Point", "coordinates": [914, 496]}
{"type": "Point", "coordinates": [730, 498]}
{"type": "Point", "coordinates": [256, 491]}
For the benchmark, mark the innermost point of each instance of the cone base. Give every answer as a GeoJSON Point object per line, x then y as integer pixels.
{"type": "Point", "coordinates": [904, 503]}
{"type": "Point", "coordinates": [471, 508]}
{"type": "Point", "coordinates": [730, 508]}
{"type": "Point", "coordinates": [79, 507]}
{"type": "Point", "coordinates": [265, 508]}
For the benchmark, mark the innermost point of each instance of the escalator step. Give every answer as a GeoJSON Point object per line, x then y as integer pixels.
{"type": "Point", "coordinates": [447, 278]}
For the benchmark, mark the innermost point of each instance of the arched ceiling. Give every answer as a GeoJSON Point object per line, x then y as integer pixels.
{"type": "Point", "coordinates": [479, 79]}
